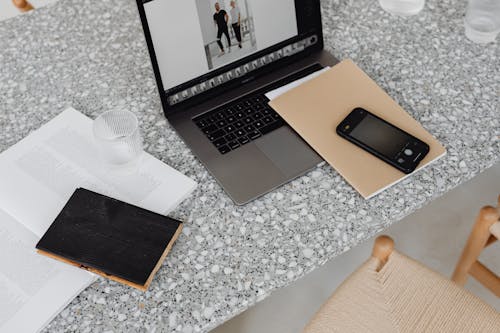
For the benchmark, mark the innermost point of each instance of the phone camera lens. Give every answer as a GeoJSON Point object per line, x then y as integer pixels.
{"type": "Point", "coordinates": [408, 152]}
{"type": "Point", "coordinates": [401, 160]}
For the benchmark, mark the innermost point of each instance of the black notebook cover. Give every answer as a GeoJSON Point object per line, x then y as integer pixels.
{"type": "Point", "coordinates": [110, 237]}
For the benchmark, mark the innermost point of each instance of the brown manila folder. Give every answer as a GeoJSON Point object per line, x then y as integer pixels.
{"type": "Point", "coordinates": [315, 108]}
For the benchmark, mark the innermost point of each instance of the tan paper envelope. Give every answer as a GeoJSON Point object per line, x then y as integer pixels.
{"type": "Point", "coordinates": [315, 108]}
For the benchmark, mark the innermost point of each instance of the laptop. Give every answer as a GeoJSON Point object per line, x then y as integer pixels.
{"type": "Point", "coordinates": [214, 61]}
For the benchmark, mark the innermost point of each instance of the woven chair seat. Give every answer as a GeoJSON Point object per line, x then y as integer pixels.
{"type": "Point", "coordinates": [404, 296]}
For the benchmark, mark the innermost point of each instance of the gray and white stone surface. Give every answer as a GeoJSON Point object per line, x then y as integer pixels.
{"type": "Point", "coordinates": [91, 55]}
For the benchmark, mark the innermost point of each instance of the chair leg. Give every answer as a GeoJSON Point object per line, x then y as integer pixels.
{"type": "Point", "coordinates": [487, 278]}
{"type": "Point", "coordinates": [495, 231]}
{"type": "Point", "coordinates": [475, 244]}
{"type": "Point", "coordinates": [382, 249]}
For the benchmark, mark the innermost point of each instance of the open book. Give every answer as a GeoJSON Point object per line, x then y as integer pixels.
{"type": "Point", "coordinates": [37, 177]}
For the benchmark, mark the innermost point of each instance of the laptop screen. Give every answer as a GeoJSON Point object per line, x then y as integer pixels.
{"type": "Point", "coordinates": [193, 38]}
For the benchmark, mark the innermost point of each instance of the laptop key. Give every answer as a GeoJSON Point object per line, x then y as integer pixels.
{"type": "Point", "coordinates": [258, 115]}
{"type": "Point", "coordinates": [271, 127]}
{"type": "Point", "coordinates": [230, 137]}
{"type": "Point", "coordinates": [243, 140]}
{"type": "Point", "coordinates": [248, 120]}
{"type": "Point", "coordinates": [275, 115]}
{"type": "Point", "coordinates": [238, 124]}
{"type": "Point", "coordinates": [249, 128]}
{"type": "Point", "coordinates": [224, 149]}
{"type": "Point", "coordinates": [240, 133]}
{"type": "Point", "coordinates": [259, 124]}
{"type": "Point", "coordinates": [230, 119]}
{"type": "Point", "coordinates": [215, 135]}
{"type": "Point", "coordinates": [268, 120]}
{"type": "Point", "coordinates": [221, 123]}
{"type": "Point", "coordinates": [207, 119]}
{"type": "Point", "coordinates": [257, 107]}
{"type": "Point", "coordinates": [258, 99]}
{"type": "Point", "coordinates": [267, 111]}
{"type": "Point", "coordinates": [201, 124]}
{"type": "Point", "coordinates": [233, 144]}
{"type": "Point", "coordinates": [219, 142]}
{"type": "Point", "coordinates": [254, 135]}
{"type": "Point", "coordinates": [229, 128]}
{"type": "Point", "coordinates": [210, 128]}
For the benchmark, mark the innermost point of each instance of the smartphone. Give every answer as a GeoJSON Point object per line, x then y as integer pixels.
{"type": "Point", "coordinates": [384, 140]}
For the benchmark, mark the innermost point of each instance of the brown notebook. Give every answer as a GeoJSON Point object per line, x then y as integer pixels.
{"type": "Point", "coordinates": [316, 107]}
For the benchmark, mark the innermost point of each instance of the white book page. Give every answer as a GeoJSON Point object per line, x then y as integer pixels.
{"type": "Point", "coordinates": [33, 288]}
{"type": "Point", "coordinates": [283, 89]}
{"type": "Point", "coordinates": [39, 174]}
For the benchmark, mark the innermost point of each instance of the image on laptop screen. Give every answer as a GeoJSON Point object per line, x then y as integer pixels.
{"type": "Point", "coordinates": [193, 37]}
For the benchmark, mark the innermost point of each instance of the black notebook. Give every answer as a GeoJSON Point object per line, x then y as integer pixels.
{"type": "Point", "coordinates": [109, 237]}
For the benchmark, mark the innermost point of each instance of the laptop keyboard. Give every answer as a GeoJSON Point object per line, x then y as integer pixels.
{"type": "Point", "coordinates": [248, 118]}
{"type": "Point", "coordinates": [233, 126]}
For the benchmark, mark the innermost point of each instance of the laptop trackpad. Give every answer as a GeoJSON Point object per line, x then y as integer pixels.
{"type": "Point", "coordinates": [288, 151]}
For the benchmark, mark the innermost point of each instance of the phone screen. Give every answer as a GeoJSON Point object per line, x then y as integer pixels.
{"type": "Point", "coordinates": [380, 136]}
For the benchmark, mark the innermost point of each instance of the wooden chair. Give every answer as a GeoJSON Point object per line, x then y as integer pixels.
{"type": "Point", "coordinates": [485, 232]}
{"type": "Point", "coordinates": [394, 293]}
{"type": "Point", "coordinates": [22, 5]}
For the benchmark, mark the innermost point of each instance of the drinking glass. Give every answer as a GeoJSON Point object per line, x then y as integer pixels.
{"type": "Point", "coordinates": [402, 7]}
{"type": "Point", "coordinates": [482, 20]}
{"type": "Point", "coordinates": [118, 137]}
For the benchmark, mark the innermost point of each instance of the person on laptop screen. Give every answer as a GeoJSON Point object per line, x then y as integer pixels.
{"type": "Point", "coordinates": [220, 19]}
{"type": "Point", "coordinates": [236, 21]}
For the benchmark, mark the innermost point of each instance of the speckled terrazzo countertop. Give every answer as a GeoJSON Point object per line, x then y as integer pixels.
{"type": "Point", "coordinates": [91, 55]}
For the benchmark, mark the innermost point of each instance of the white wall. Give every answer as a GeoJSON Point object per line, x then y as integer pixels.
{"type": "Point", "coordinates": [177, 39]}
{"type": "Point", "coordinates": [274, 21]}
{"type": "Point", "coordinates": [206, 13]}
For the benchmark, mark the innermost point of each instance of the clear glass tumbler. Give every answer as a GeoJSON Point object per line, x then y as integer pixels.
{"type": "Point", "coordinates": [482, 20]}
{"type": "Point", "coordinates": [118, 137]}
{"type": "Point", "coordinates": [402, 7]}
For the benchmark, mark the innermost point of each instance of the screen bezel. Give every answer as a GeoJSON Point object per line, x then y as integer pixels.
{"type": "Point", "coordinates": [308, 14]}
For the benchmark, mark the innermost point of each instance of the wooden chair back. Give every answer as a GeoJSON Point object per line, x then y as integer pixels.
{"type": "Point", "coordinates": [22, 5]}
